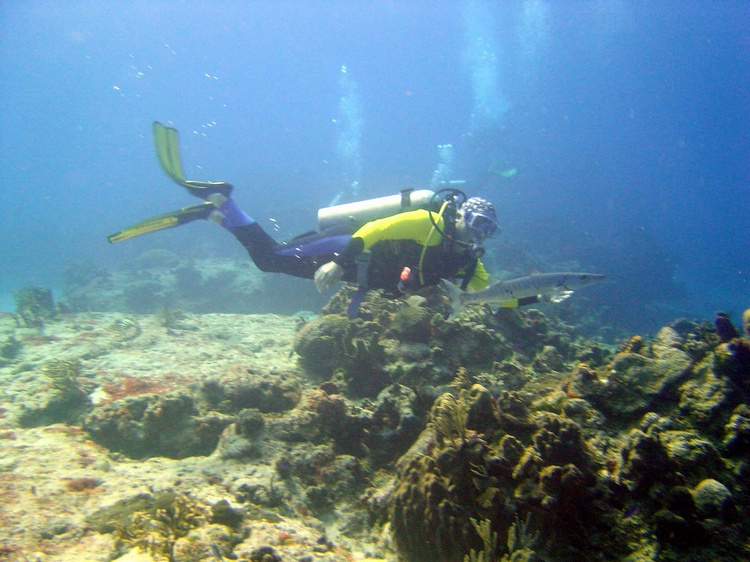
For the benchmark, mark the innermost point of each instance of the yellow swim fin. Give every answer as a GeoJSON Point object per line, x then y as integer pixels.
{"type": "Point", "coordinates": [167, 143]}
{"type": "Point", "coordinates": [167, 220]}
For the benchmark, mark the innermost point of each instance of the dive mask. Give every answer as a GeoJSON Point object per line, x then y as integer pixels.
{"type": "Point", "coordinates": [481, 224]}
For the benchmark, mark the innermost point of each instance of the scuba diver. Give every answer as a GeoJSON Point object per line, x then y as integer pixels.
{"type": "Point", "coordinates": [397, 243]}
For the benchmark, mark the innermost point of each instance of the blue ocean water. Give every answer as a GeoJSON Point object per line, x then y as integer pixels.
{"type": "Point", "coordinates": [611, 135]}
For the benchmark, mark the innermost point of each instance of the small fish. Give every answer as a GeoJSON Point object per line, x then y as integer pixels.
{"type": "Point", "coordinates": [553, 287]}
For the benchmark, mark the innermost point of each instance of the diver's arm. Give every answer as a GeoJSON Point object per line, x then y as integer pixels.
{"type": "Point", "coordinates": [353, 248]}
{"type": "Point", "coordinates": [479, 279]}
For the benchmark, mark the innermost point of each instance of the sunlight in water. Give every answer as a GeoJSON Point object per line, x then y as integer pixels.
{"type": "Point", "coordinates": [482, 54]}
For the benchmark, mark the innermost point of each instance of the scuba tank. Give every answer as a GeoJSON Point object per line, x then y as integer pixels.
{"type": "Point", "coordinates": [349, 217]}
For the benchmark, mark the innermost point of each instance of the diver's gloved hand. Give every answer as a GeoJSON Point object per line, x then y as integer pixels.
{"type": "Point", "coordinates": [328, 275]}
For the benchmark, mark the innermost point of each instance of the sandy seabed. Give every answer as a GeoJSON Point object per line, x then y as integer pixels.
{"type": "Point", "coordinates": [53, 477]}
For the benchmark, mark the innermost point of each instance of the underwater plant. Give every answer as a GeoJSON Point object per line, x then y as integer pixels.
{"type": "Point", "coordinates": [64, 375]}
{"type": "Point", "coordinates": [155, 531]}
{"type": "Point", "coordinates": [450, 415]}
{"type": "Point", "coordinates": [64, 399]}
{"type": "Point", "coordinates": [489, 539]}
{"type": "Point", "coordinates": [127, 329]}
{"type": "Point", "coordinates": [520, 542]}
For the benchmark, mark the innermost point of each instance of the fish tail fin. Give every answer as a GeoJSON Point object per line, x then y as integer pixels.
{"type": "Point", "coordinates": [455, 294]}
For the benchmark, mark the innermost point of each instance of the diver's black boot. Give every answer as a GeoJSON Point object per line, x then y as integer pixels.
{"type": "Point", "coordinates": [214, 191]}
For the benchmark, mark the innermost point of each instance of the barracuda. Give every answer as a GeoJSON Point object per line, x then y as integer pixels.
{"type": "Point", "coordinates": [552, 287]}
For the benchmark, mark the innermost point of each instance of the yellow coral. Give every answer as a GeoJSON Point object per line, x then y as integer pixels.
{"type": "Point", "coordinates": [450, 415]}
{"type": "Point", "coordinates": [462, 380]}
{"type": "Point", "coordinates": [63, 373]}
{"type": "Point", "coordinates": [172, 517]}
{"type": "Point", "coordinates": [489, 538]}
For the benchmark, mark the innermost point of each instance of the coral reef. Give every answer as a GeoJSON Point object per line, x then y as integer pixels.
{"type": "Point", "coordinates": [34, 306]}
{"type": "Point", "coordinates": [63, 373]}
{"type": "Point", "coordinates": [322, 342]}
{"type": "Point", "coordinates": [732, 356]}
{"type": "Point", "coordinates": [332, 345]}
{"type": "Point", "coordinates": [156, 530]}
{"type": "Point", "coordinates": [153, 425]}
{"type": "Point", "coordinates": [493, 437]}
{"type": "Point", "coordinates": [412, 343]}
{"type": "Point", "coordinates": [460, 477]}
{"type": "Point", "coordinates": [520, 543]}
{"type": "Point", "coordinates": [637, 378]}
{"type": "Point", "coordinates": [10, 346]}
{"type": "Point", "coordinates": [643, 437]}
{"type": "Point", "coordinates": [254, 390]}
{"type": "Point", "coordinates": [63, 400]}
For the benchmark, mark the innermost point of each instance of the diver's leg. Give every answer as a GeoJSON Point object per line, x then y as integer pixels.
{"type": "Point", "coordinates": [229, 215]}
{"type": "Point", "coordinates": [250, 234]}
{"type": "Point", "coordinates": [264, 251]}
{"type": "Point", "coordinates": [258, 244]}
{"type": "Point", "coordinates": [220, 208]}
{"type": "Point", "coordinates": [262, 248]}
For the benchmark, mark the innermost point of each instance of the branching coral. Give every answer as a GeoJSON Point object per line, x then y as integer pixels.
{"type": "Point", "coordinates": [450, 415]}
{"type": "Point", "coordinates": [520, 539]}
{"type": "Point", "coordinates": [489, 538]}
{"type": "Point", "coordinates": [64, 374]}
{"type": "Point", "coordinates": [64, 400]}
{"type": "Point", "coordinates": [462, 380]}
{"type": "Point", "coordinates": [173, 516]}
{"type": "Point", "coordinates": [520, 542]}
{"type": "Point", "coordinates": [126, 329]}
